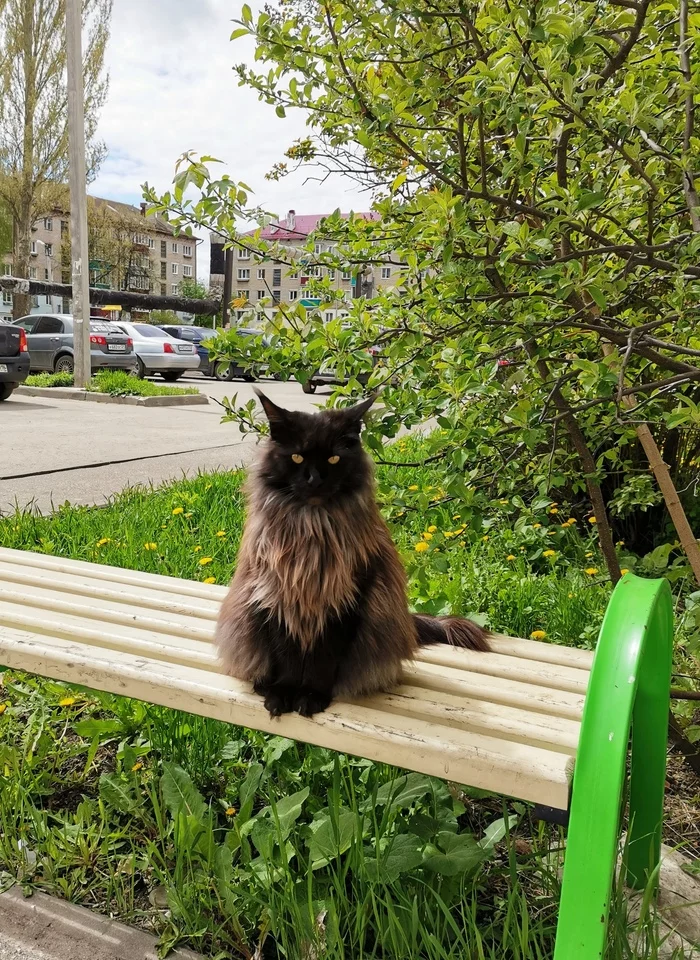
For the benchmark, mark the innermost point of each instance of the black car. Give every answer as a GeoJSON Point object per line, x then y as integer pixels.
{"type": "Point", "coordinates": [219, 369]}
{"type": "Point", "coordinates": [14, 358]}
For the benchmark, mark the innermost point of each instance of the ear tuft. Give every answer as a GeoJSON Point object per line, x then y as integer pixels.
{"type": "Point", "coordinates": [278, 418]}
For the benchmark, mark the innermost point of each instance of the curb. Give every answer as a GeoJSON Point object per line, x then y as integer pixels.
{"type": "Point", "coordinates": [73, 393]}
{"type": "Point", "coordinates": [64, 931]}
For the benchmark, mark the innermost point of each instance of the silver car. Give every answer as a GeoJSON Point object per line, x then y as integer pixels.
{"type": "Point", "coordinates": [50, 344]}
{"type": "Point", "coordinates": [158, 352]}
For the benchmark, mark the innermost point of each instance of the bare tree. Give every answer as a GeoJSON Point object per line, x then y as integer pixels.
{"type": "Point", "coordinates": [33, 115]}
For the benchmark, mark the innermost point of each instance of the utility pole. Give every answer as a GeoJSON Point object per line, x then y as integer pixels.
{"type": "Point", "coordinates": [78, 196]}
{"type": "Point", "coordinates": [228, 283]}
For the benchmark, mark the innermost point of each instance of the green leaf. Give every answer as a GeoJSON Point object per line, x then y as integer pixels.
{"type": "Point", "coordinates": [591, 198]}
{"type": "Point", "coordinates": [118, 793]}
{"type": "Point", "coordinates": [180, 794]}
{"type": "Point", "coordinates": [403, 853]}
{"type": "Point", "coordinates": [288, 809]}
{"type": "Point", "coordinates": [246, 14]}
{"type": "Point", "coordinates": [404, 790]}
{"type": "Point", "coordinates": [246, 795]}
{"type": "Point", "coordinates": [454, 854]}
{"type": "Point", "coordinates": [98, 729]}
{"type": "Point", "coordinates": [240, 32]}
{"type": "Point", "coordinates": [331, 837]}
{"type": "Point", "coordinates": [280, 111]}
{"type": "Point", "coordinates": [496, 831]}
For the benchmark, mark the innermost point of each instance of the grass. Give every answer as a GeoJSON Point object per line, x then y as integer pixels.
{"type": "Point", "coordinates": [117, 383]}
{"type": "Point", "coordinates": [247, 845]}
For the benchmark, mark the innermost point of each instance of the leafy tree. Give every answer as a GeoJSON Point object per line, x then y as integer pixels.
{"type": "Point", "coordinates": [197, 291]}
{"type": "Point", "coordinates": [532, 168]}
{"type": "Point", "coordinates": [33, 111]}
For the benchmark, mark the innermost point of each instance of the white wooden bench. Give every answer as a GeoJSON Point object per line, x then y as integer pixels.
{"type": "Point", "coordinates": [509, 721]}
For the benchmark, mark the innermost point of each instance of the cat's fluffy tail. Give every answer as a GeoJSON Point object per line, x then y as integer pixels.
{"type": "Point", "coordinates": [453, 630]}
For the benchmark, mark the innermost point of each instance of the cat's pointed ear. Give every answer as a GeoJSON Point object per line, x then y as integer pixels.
{"type": "Point", "coordinates": [355, 415]}
{"type": "Point", "coordinates": [280, 420]}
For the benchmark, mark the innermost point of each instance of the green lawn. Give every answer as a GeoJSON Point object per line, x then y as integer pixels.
{"type": "Point", "coordinates": [117, 383]}
{"type": "Point", "coordinates": [224, 838]}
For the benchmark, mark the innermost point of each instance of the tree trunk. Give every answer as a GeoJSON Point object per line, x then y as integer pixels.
{"type": "Point", "coordinates": [21, 303]}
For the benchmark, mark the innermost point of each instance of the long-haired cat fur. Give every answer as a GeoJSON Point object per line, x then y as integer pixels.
{"type": "Point", "coordinates": [317, 607]}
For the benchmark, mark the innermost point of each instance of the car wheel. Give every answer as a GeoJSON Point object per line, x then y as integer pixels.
{"type": "Point", "coordinates": [172, 375]}
{"type": "Point", "coordinates": [6, 390]}
{"type": "Point", "coordinates": [224, 370]}
{"type": "Point", "coordinates": [309, 386]}
{"type": "Point", "coordinates": [64, 364]}
{"type": "Point", "coordinates": [249, 377]}
{"type": "Point", "coordinates": [139, 370]}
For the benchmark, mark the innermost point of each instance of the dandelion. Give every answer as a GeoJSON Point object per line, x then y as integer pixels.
{"type": "Point", "coordinates": [178, 510]}
{"type": "Point", "coordinates": [460, 531]}
{"type": "Point", "coordinates": [3, 708]}
{"type": "Point", "coordinates": [136, 767]}
{"type": "Point", "coordinates": [620, 543]}
{"type": "Point", "coordinates": [448, 534]}
{"type": "Point", "coordinates": [432, 529]}
{"type": "Point", "coordinates": [427, 536]}
{"type": "Point", "coordinates": [456, 516]}
{"type": "Point", "coordinates": [221, 533]}
{"type": "Point", "coordinates": [66, 702]}
{"type": "Point", "coordinates": [549, 553]}
{"type": "Point", "coordinates": [591, 571]}
{"type": "Point", "coordinates": [209, 580]}
{"type": "Point", "coordinates": [103, 541]}
{"type": "Point", "coordinates": [189, 514]}
{"type": "Point", "coordinates": [163, 526]}
{"type": "Point", "coordinates": [484, 538]}
{"type": "Point", "coordinates": [565, 526]}
{"type": "Point", "coordinates": [554, 510]}
{"type": "Point", "coordinates": [205, 560]}
{"type": "Point", "coordinates": [592, 520]}
{"type": "Point", "coordinates": [150, 546]}
{"type": "Point", "coordinates": [536, 526]}
{"type": "Point", "coordinates": [551, 533]}
{"type": "Point", "coordinates": [522, 549]}
{"type": "Point", "coordinates": [624, 571]}
{"type": "Point", "coordinates": [414, 486]}
{"type": "Point", "coordinates": [503, 502]}
{"type": "Point", "coordinates": [589, 554]}
{"type": "Point", "coordinates": [196, 549]}
{"type": "Point", "coordinates": [571, 521]}
{"type": "Point", "coordinates": [538, 635]}
{"type": "Point", "coordinates": [230, 811]}
{"type": "Point", "coordinates": [511, 556]}
{"type": "Point", "coordinates": [421, 547]}
{"type": "Point", "coordinates": [570, 596]}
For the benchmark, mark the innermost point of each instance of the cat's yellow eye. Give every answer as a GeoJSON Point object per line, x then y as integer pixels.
{"type": "Point", "coordinates": [297, 458]}
{"type": "Point", "coordinates": [333, 459]}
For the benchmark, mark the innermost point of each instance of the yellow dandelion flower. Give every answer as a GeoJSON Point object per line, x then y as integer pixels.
{"type": "Point", "coordinates": [205, 560]}
{"type": "Point", "coordinates": [460, 531]}
{"type": "Point", "coordinates": [136, 766]}
{"type": "Point", "coordinates": [230, 811]}
{"type": "Point", "coordinates": [511, 556]}
{"type": "Point", "coordinates": [536, 526]}
{"type": "Point", "coordinates": [592, 520]}
{"type": "Point", "coordinates": [66, 702]}
{"type": "Point", "coordinates": [421, 547]}
{"type": "Point", "coordinates": [414, 486]}
{"type": "Point", "coordinates": [196, 549]}
{"type": "Point", "coordinates": [554, 510]}
{"type": "Point", "coordinates": [571, 521]}
{"type": "Point", "coordinates": [620, 543]}
{"type": "Point", "coordinates": [549, 553]}
{"type": "Point", "coordinates": [589, 554]}
{"type": "Point", "coordinates": [189, 514]}
{"type": "Point", "coordinates": [455, 516]}
{"type": "Point", "coordinates": [209, 580]}
{"type": "Point", "coordinates": [522, 549]}
{"type": "Point", "coordinates": [427, 536]}
{"type": "Point", "coordinates": [178, 510]}
{"type": "Point", "coordinates": [503, 502]}
{"type": "Point", "coordinates": [485, 537]}
{"type": "Point", "coordinates": [150, 546]}
{"type": "Point", "coordinates": [565, 526]}
{"type": "Point", "coordinates": [551, 533]}
{"type": "Point", "coordinates": [449, 534]}
{"type": "Point", "coordinates": [3, 708]}
{"type": "Point", "coordinates": [103, 541]}
{"type": "Point", "coordinates": [570, 596]}
{"type": "Point", "coordinates": [221, 533]}
{"type": "Point", "coordinates": [538, 635]}
{"type": "Point", "coordinates": [591, 571]}
{"type": "Point", "coordinates": [624, 571]}
{"type": "Point", "coordinates": [163, 526]}
{"type": "Point", "coordinates": [432, 529]}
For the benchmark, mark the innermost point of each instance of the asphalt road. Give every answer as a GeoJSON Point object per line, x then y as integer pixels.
{"type": "Point", "coordinates": [53, 451]}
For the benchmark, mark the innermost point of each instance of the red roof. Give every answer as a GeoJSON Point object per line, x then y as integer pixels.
{"type": "Point", "coordinates": [304, 224]}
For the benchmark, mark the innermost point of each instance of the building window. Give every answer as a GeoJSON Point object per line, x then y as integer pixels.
{"type": "Point", "coordinates": [318, 248]}
{"type": "Point", "coordinates": [346, 275]}
{"type": "Point", "coordinates": [276, 296]}
{"type": "Point", "coordinates": [163, 249]}
{"type": "Point", "coordinates": [294, 276]}
{"type": "Point", "coordinates": [175, 248]}
{"type": "Point", "coordinates": [187, 249]}
{"type": "Point", "coordinates": [6, 297]}
{"type": "Point", "coordinates": [33, 248]}
{"type": "Point", "coordinates": [7, 269]}
{"type": "Point", "coordinates": [32, 273]}
{"type": "Point", "coordinates": [49, 249]}
{"type": "Point", "coordinates": [243, 254]}
{"type": "Point", "coordinates": [314, 271]}
{"type": "Point", "coordinates": [48, 223]}
{"type": "Point", "coordinates": [261, 294]}
{"type": "Point", "coordinates": [328, 316]}
{"type": "Point", "coordinates": [163, 270]}
{"type": "Point", "coordinates": [241, 294]}
{"type": "Point", "coordinates": [174, 268]}
{"type": "Point", "coordinates": [331, 275]}
{"type": "Point", "coordinates": [293, 294]}
{"type": "Point", "coordinates": [46, 273]}
{"type": "Point", "coordinates": [65, 305]}
{"type": "Point", "coordinates": [174, 288]}
{"type": "Point", "coordinates": [244, 274]}
{"type": "Point", "coordinates": [151, 243]}
{"type": "Point", "coordinates": [64, 232]}
{"type": "Point", "coordinates": [261, 273]}
{"type": "Point", "coordinates": [187, 269]}
{"type": "Point", "coordinates": [276, 277]}
{"type": "Point", "coordinates": [163, 289]}
{"type": "Point", "coordinates": [386, 273]}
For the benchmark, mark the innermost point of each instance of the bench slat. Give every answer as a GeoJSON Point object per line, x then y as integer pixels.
{"type": "Point", "coordinates": [502, 766]}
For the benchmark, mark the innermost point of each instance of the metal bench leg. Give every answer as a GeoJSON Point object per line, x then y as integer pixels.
{"type": "Point", "coordinates": [629, 682]}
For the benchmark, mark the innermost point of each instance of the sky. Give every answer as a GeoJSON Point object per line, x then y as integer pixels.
{"type": "Point", "coordinates": [172, 89]}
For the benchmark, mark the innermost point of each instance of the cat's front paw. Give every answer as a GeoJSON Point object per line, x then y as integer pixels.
{"type": "Point", "coordinates": [309, 702]}
{"type": "Point", "coordinates": [278, 700]}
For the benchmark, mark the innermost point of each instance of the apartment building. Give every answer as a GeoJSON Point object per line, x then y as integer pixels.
{"type": "Point", "coordinates": [267, 284]}
{"type": "Point", "coordinates": [128, 251]}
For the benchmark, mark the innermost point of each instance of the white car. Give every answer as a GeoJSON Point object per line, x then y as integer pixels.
{"type": "Point", "coordinates": [157, 352]}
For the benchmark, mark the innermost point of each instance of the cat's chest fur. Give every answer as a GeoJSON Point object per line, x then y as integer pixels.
{"type": "Point", "coordinates": [305, 569]}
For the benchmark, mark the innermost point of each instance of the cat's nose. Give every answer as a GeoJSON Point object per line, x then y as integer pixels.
{"type": "Point", "coordinates": [314, 478]}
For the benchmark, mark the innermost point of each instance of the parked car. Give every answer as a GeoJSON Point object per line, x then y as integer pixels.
{"type": "Point", "coordinates": [157, 352]}
{"type": "Point", "coordinates": [50, 343]}
{"type": "Point", "coordinates": [219, 369]}
{"type": "Point", "coordinates": [14, 358]}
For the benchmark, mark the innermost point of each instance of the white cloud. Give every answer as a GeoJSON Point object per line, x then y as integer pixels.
{"type": "Point", "coordinates": [172, 88]}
